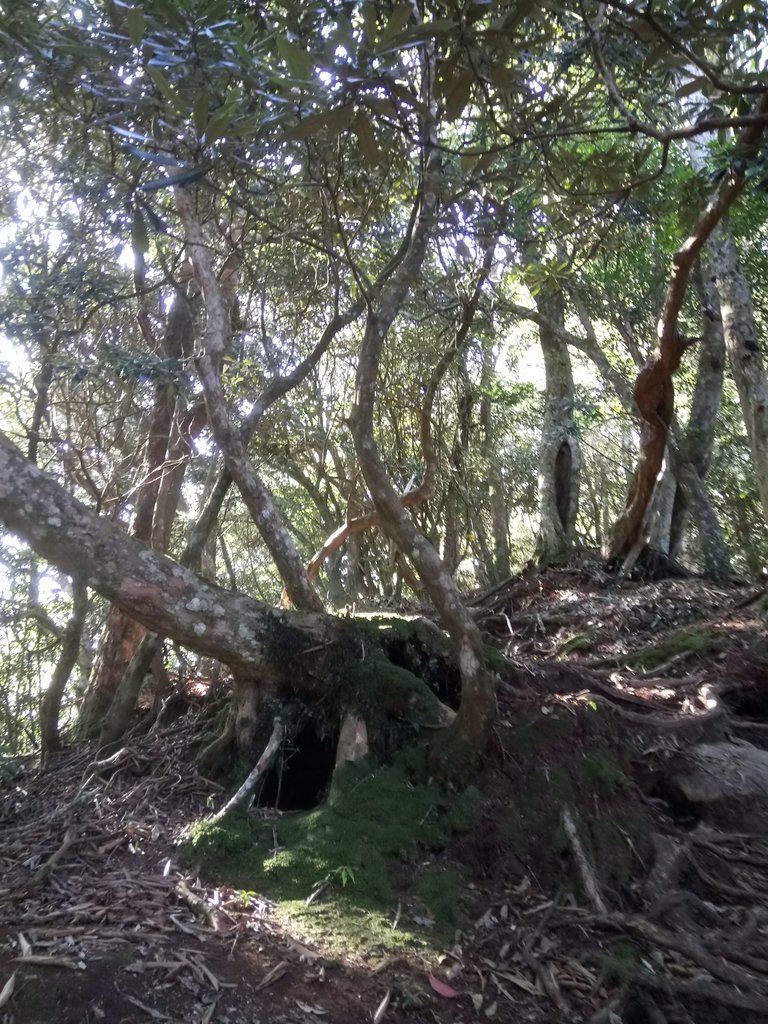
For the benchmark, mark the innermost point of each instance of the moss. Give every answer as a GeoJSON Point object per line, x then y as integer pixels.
{"type": "Point", "coordinates": [538, 734]}
{"type": "Point", "coordinates": [374, 816]}
{"type": "Point", "coordinates": [577, 642]}
{"type": "Point", "coordinates": [440, 888]}
{"type": "Point", "coordinates": [496, 661]}
{"type": "Point", "coordinates": [400, 692]}
{"type": "Point", "coordinates": [602, 770]}
{"type": "Point", "coordinates": [701, 642]}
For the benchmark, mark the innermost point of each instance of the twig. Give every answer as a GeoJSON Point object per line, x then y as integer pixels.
{"type": "Point", "coordinates": [44, 870]}
{"type": "Point", "coordinates": [587, 875]}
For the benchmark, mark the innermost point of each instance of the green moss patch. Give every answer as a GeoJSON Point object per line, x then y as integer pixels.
{"type": "Point", "coordinates": [365, 849]}
{"type": "Point", "coordinates": [571, 760]}
{"type": "Point", "coordinates": [695, 642]}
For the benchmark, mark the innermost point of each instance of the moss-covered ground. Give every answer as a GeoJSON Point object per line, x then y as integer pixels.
{"type": "Point", "coordinates": [385, 862]}
{"type": "Point", "coordinates": [370, 849]}
{"type": "Point", "coordinates": [697, 642]}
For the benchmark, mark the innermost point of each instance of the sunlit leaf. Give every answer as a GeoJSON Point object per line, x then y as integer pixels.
{"type": "Point", "coordinates": [178, 179]}
{"type": "Point", "coordinates": [299, 62]}
{"type": "Point", "coordinates": [698, 84]}
{"type": "Point", "coordinates": [398, 19]}
{"type": "Point", "coordinates": [458, 96]}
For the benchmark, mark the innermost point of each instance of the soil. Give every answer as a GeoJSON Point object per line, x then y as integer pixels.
{"type": "Point", "coordinates": [591, 889]}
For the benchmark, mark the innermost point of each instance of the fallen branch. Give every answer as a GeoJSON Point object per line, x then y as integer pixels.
{"type": "Point", "coordinates": [243, 796]}
{"type": "Point", "coordinates": [585, 870]}
{"type": "Point", "coordinates": [705, 990]}
{"type": "Point", "coordinates": [44, 870]}
{"type": "Point", "coordinates": [690, 947]}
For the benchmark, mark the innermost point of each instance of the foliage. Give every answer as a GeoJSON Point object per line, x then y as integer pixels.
{"type": "Point", "coordinates": [299, 131]}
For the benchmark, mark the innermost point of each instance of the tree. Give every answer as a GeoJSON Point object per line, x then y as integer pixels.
{"type": "Point", "coordinates": [322, 199]}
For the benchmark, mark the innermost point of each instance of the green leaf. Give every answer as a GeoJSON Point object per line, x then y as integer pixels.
{"type": "Point", "coordinates": [458, 95]}
{"type": "Point", "coordinates": [370, 26]}
{"type": "Point", "coordinates": [333, 120]}
{"type": "Point", "coordinates": [161, 159]}
{"type": "Point", "coordinates": [164, 87]}
{"type": "Point", "coordinates": [135, 20]}
{"type": "Point", "coordinates": [218, 126]}
{"type": "Point", "coordinates": [298, 61]}
{"type": "Point", "coordinates": [128, 134]}
{"type": "Point", "coordinates": [309, 126]}
{"type": "Point", "coordinates": [398, 19]}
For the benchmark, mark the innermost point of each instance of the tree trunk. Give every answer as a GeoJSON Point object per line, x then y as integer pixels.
{"type": "Point", "coordinates": [500, 567]}
{"type": "Point", "coordinates": [696, 443]}
{"type": "Point", "coordinates": [68, 655]}
{"type": "Point", "coordinates": [745, 356]}
{"type": "Point", "coordinates": [559, 452]}
{"type": "Point", "coordinates": [714, 550]}
{"type": "Point", "coordinates": [121, 635]}
{"type": "Point", "coordinates": [307, 655]}
{"type": "Point", "coordinates": [662, 520]}
{"type": "Point", "coordinates": [654, 391]}
{"type": "Point", "coordinates": [229, 437]}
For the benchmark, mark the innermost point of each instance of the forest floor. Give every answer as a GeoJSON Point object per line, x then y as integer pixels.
{"type": "Point", "coordinates": [609, 877]}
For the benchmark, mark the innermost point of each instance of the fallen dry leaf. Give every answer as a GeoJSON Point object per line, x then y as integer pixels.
{"type": "Point", "coordinates": [8, 990]}
{"type": "Point", "coordinates": [273, 975]}
{"type": "Point", "coordinates": [441, 988]}
{"type": "Point", "coordinates": [208, 1015]}
{"type": "Point", "coordinates": [153, 1013]}
{"type": "Point", "coordinates": [517, 979]}
{"type": "Point", "coordinates": [317, 1010]}
{"type": "Point", "coordinates": [382, 1007]}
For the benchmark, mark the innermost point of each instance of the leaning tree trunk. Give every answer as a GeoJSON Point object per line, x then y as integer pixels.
{"type": "Point", "coordinates": [68, 655]}
{"type": "Point", "coordinates": [308, 656]}
{"type": "Point", "coordinates": [477, 707]}
{"type": "Point", "coordinates": [559, 452]}
{"type": "Point", "coordinates": [654, 391]}
{"type": "Point", "coordinates": [229, 438]}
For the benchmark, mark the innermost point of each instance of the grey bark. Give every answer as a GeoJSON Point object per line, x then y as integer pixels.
{"type": "Point", "coordinates": [477, 709]}
{"type": "Point", "coordinates": [696, 443]}
{"type": "Point", "coordinates": [247, 635]}
{"type": "Point", "coordinates": [502, 556]}
{"type": "Point", "coordinates": [256, 495]}
{"type": "Point", "coordinates": [744, 352]}
{"type": "Point", "coordinates": [714, 548]}
{"type": "Point", "coordinates": [68, 655]}
{"type": "Point", "coordinates": [559, 452]}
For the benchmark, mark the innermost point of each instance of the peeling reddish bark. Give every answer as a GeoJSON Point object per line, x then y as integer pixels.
{"type": "Point", "coordinates": [654, 390]}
